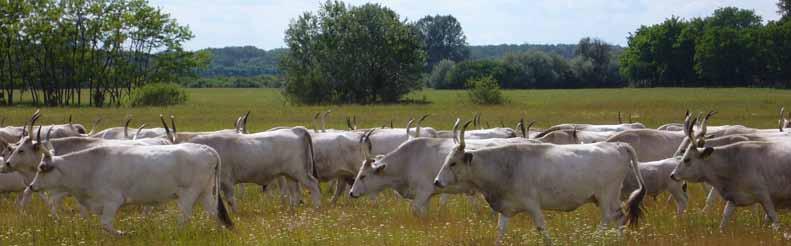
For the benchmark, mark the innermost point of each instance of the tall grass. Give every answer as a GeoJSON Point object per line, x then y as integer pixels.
{"type": "Point", "coordinates": [387, 220]}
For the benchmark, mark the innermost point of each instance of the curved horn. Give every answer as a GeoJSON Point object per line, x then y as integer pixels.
{"type": "Point", "coordinates": [391, 124]}
{"type": "Point", "coordinates": [238, 125]}
{"type": "Point", "coordinates": [409, 125]}
{"type": "Point", "coordinates": [244, 122]}
{"type": "Point", "coordinates": [349, 123]}
{"type": "Point", "coordinates": [781, 120]}
{"type": "Point", "coordinates": [49, 132]}
{"type": "Point", "coordinates": [70, 124]}
{"type": "Point", "coordinates": [167, 129]}
{"type": "Point", "coordinates": [476, 120]}
{"type": "Point", "coordinates": [704, 124]}
{"type": "Point", "coordinates": [139, 129]}
{"type": "Point", "coordinates": [95, 124]}
{"type": "Point", "coordinates": [461, 135]}
{"type": "Point", "coordinates": [456, 130]}
{"type": "Point", "coordinates": [324, 120]}
{"type": "Point", "coordinates": [528, 128]}
{"type": "Point", "coordinates": [354, 121]}
{"type": "Point", "coordinates": [34, 118]}
{"type": "Point", "coordinates": [315, 124]}
{"type": "Point", "coordinates": [419, 122]}
{"type": "Point", "coordinates": [620, 119]}
{"type": "Point", "coordinates": [126, 127]}
{"type": "Point", "coordinates": [38, 135]}
{"type": "Point", "coordinates": [521, 126]}
{"type": "Point", "coordinates": [173, 124]}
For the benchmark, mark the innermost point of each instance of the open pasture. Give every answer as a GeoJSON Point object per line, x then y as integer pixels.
{"type": "Point", "coordinates": [264, 220]}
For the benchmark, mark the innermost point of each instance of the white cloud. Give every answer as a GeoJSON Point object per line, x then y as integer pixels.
{"type": "Point", "coordinates": [262, 23]}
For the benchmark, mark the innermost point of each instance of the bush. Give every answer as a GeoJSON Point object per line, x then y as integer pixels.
{"type": "Point", "coordinates": [156, 94]}
{"type": "Point", "coordinates": [485, 90]}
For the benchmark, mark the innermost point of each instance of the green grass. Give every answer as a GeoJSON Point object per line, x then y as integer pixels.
{"type": "Point", "coordinates": [263, 219]}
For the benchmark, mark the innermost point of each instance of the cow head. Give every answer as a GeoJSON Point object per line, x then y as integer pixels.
{"type": "Point", "coordinates": [693, 159]}
{"type": "Point", "coordinates": [28, 153]}
{"type": "Point", "coordinates": [370, 178]}
{"type": "Point", "coordinates": [48, 174]}
{"type": "Point", "coordinates": [456, 163]}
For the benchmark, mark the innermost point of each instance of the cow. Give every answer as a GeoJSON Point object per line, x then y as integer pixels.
{"type": "Point", "coordinates": [571, 136]}
{"type": "Point", "coordinates": [122, 133]}
{"type": "Point", "coordinates": [410, 170]}
{"type": "Point", "coordinates": [532, 177]}
{"type": "Point", "coordinates": [12, 134]}
{"type": "Point", "coordinates": [599, 128]}
{"type": "Point", "coordinates": [733, 170]}
{"type": "Point", "coordinates": [261, 157]}
{"type": "Point", "coordinates": [105, 178]}
{"type": "Point", "coordinates": [657, 180]}
{"type": "Point", "coordinates": [27, 154]}
{"type": "Point", "coordinates": [338, 155]}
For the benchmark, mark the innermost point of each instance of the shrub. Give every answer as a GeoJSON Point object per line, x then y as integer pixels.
{"type": "Point", "coordinates": [156, 94]}
{"type": "Point", "coordinates": [485, 90]}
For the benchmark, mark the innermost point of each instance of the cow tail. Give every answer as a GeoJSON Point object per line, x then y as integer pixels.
{"type": "Point", "coordinates": [222, 211]}
{"type": "Point", "coordinates": [634, 209]}
{"type": "Point", "coordinates": [311, 163]}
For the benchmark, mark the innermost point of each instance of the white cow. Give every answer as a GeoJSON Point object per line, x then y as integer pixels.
{"type": "Point", "coordinates": [106, 177]}
{"type": "Point", "coordinates": [410, 170]}
{"type": "Point", "coordinates": [532, 177]}
{"type": "Point", "coordinates": [744, 173]}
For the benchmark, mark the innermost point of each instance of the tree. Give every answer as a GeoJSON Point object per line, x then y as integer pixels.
{"type": "Point", "coordinates": [597, 53]}
{"type": "Point", "coordinates": [439, 75]}
{"type": "Point", "coordinates": [537, 69]}
{"type": "Point", "coordinates": [54, 49]}
{"type": "Point", "coordinates": [443, 38]}
{"type": "Point", "coordinates": [469, 70]}
{"type": "Point", "coordinates": [727, 52]}
{"type": "Point", "coordinates": [784, 8]}
{"type": "Point", "coordinates": [338, 55]}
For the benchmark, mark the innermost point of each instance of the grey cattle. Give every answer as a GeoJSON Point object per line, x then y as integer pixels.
{"type": "Point", "coordinates": [744, 173]}
{"type": "Point", "coordinates": [533, 177]}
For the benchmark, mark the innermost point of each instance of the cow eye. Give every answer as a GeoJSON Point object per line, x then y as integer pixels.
{"type": "Point", "coordinates": [452, 164]}
{"type": "Point", "coordinates": [362, 176]}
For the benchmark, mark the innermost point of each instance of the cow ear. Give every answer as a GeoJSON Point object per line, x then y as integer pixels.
{"type": "Point", "coordinates": [467, 158]}
{"type": "Point", "coordinates": [706, 153]}
{"type": "Point", "coordinates": [379, 168]}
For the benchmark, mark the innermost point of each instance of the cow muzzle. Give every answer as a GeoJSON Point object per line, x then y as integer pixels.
{"type": "Point", "coordinates": [439, 184]}
{"type": "Point", "coordinates": [352, 195]}
{"type": "Point", "coordinates": [674, 177]}
{"type": "Point", "coordinates": [5, 168]}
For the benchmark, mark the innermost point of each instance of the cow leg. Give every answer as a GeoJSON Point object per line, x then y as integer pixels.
{"type": "Point", "coordinates": [680, 198]}
{"type": "Point", "coordinates": [420, 205]}
{"type": "Point", "coordinates": [227, 189]}
{"type": "Point", "coordinates": [313, 185]}
{"type": "Point", "coordinates": [502, 225]}
{"type": "Point", "coordinates": [340, 186]}
{"type": "Point", "coordinates": [54, 202]}
{"type": "Point", "coordinates": [769, 208]}
{"type": "Point", "coordinates": [726, 214]}
{"type": "Point", "coordinates": [711, 198]}
{"type": "Point", "coordinates": [109, 209]}
{"type": "Point", "coordinates": [538, 221]}
{"type": "Point", "coordinates": [186, 201]}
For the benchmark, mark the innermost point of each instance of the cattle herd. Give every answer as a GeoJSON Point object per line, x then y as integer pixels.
{"type": "Point", "coordinates": [516, 170]}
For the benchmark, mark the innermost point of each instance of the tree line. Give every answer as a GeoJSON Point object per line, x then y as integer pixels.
{"type": "Point", "coordinates": [732, 47]}
{"type": "Point", "coordinates": [55, 49]}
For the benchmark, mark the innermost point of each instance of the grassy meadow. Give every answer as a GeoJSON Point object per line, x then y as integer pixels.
{"type": "Point", "coordinates": [387, 220]}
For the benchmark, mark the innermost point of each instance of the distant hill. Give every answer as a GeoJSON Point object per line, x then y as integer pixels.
{"type": "Point", "coordinates": [246, 61]}
{"type": "Point", "coordinates": [249, 61]}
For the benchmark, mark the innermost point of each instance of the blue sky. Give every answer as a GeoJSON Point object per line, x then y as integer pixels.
{"type": "Point", "coordinates": [219, 23]}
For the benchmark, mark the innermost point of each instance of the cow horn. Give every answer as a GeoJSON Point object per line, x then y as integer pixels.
{"type": "Point", "coordinates": [620, 119]}
{"type": "Point", "coordinates": [456, 130]}
{"type": "Point", "coordinates": [324, 120]}
{"type": "Point", "coordinates": [409, 125]}
{"type": "Point", "coordinates": [49, 132]}
{"type": "Point", "coordinates": [691, 129]}
{"type": "Point", "coordinates": [461, 135]}
{"type": "Point", "coordinates": [95, 124]}
{"type": "Point", "coordinates": [167, 130]}
{"type": "Point", "coordinates": [173, 126]}
{"type": "Point", "coordinates": [521, 127]}
{"type": "Point", "coordinates": [704, 124]}
{"type": "Point", "coordinates": [315, 124]}
{"type": "Point", "coordinates": [487, 125]}
{"type": "Point", "coordinates": [527, 131]}
{"type": "Point", "coordinates": [38, 134]}
{"type": "Point", "coordinates": [349, 123]}
{"type": "Point", "coordinates": [33, 119]}
{"type": "Point", "coordinates": [238, 125]}
{"type": "Point", "coordinates": [244, 122]}
{"type": "Point", "coordinates": [354, 121]}
{"type": "Point", "coordinates": [126, 127]}
{"type": "Point", "coordinates": [780, 120]}
{"type": "Point", "coordinates": [139, 129]}
{"type": "Point", "coordinates": [420, 122]}
{"type": "Point", "coordinates": [476, 120]}
{"type": "Point", "coordinates": [391, 123]}
{"type": "Point", "coordinates": [70, 124]}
